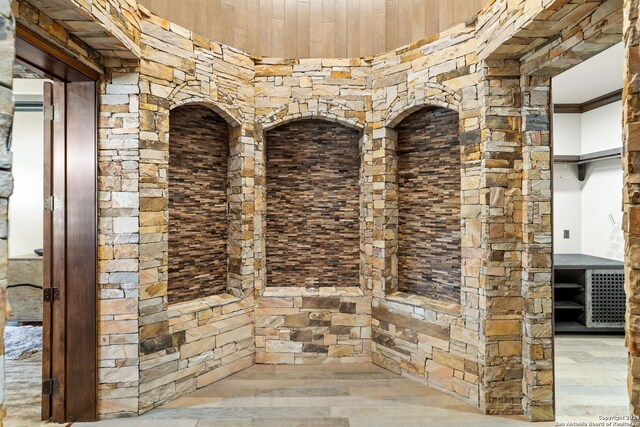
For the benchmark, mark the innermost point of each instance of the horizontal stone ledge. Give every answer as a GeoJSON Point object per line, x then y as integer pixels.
{"type": "Point", "coordinates": [329, 291]}
{"type": "Point", "coordinates": [196, 305]}
{"type": "Point", "coordinates": [413, 300]}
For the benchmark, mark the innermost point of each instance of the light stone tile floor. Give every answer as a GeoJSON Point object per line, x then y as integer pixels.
{"type": "Point", "coordinates": [590, 372]}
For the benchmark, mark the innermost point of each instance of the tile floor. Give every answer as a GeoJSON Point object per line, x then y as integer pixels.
{"type": "Point", "coordinates": [590, 371]}
{"type": "Point", "coordinates": [591, 375]}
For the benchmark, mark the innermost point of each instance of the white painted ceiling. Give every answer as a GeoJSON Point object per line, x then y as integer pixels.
{"type": "Point", "coordinates": [595, 77]}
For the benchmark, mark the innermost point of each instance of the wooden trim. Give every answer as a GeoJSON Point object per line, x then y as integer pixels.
{"type": "Point", "coordinates": [603, 100]}
{"type": "Point", "coordinates": [567, 108]}
{"type": "Point", "coordinates": [36, 52]}
{"type": "Point", "coordinates": [592, 104]}
{"type": "Point", "coordinates": [70, 247]}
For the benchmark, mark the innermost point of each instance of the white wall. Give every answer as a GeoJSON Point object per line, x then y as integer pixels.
{"type": "Point", "coordinates": [567, 134]}
{"type": "Point", "coordinates": [602, 202]}
{"type": "Point", "coordinates": [567, 201]}
{"type": "Point", "coordinates": [26, 202]}
{"type": "Point", "coordinates": [602, 128]}
{"type": "Point", "coordinates": [587, 208]}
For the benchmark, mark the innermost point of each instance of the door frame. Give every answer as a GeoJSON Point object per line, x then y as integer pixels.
{"type": "Point", "coordinates": [70, 340]}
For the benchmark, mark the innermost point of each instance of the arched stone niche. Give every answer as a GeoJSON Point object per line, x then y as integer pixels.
{"type": "Point", "coordinates": [429, 255]}
{"type": "Point", "coordinates": [198, 186]}
{"type": "Point", "coordinates": [312, 204]}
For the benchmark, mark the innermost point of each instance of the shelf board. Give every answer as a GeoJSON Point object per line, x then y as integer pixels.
{"type": "Point", "coordinates": [578, 327]}
{"type": "Point", "coordinates": [567, 286]}
{"type": "Point", "coordinates": [568, 305]}
{"type": "Point", "coordinates": [589, 157]}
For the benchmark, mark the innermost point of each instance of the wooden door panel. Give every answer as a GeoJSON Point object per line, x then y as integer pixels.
{"type": "Point", "coordinates": [47, 251]}
{"type": "Point", "coordinates": [81, 251]}
{"type": "Point", "coordinates": [58, 252]}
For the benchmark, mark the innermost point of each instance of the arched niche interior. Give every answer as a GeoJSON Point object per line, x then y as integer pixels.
{"type": "Point", "coordinates": [429, 181]}
{"type": "Point", "coordinates": [312, 214]}
{"type": "Point", "coordinates": [198, 165]}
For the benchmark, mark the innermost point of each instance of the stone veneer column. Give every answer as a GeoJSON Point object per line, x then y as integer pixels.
{"type": "Point", "coordinates": [241, 200]}
{"type": "Point", "coordinates": [537, 330]}
{"type": "Point", "coordinates": [379, 202]}
{"type": "Point", "coordinates": [631, 195]}
{"type": "Point", "coordinates": [7, 55]}
{"type": "Point", "coordinates": [500, 346]}
{"type": "Point", "coordinates": [118, 238]}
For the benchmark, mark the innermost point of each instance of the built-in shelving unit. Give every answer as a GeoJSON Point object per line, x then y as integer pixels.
{"type": "Point", "coordinates": [578, 291]}
{"type": "Point", "coordinates": [582, 160]}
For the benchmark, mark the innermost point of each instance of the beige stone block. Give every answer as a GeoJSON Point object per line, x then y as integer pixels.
{"type": "Point", "coordinates": [275, 358]}
{"type": "Point", "coordinates": [191, 349]}
{"type": "Point", "coordinates": [341, 319]}
{"type": "Point", "coordinates": [273, 70]}
{"type": "Point", "coordinates": [224, 371]}
{"type": "Point", "coordinates": [340, 350]}
{"type": "Point", "coordinates": [502, 327]}
{"type": "Point", "coordinates": [235, 335]}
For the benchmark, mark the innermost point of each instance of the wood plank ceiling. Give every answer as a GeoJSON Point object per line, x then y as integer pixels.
{"type": "Point", "coordinates": [316, 28]}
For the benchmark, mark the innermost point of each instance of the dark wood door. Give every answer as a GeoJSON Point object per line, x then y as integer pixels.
{"type": "Point", "coordinates": [69, 366]}
{"type": "Point", "coordinates": [47, 261]}
{"type": "Point", "coordinates": [81, 252]}
{"type": "Point", "coordinates": [69, 362]}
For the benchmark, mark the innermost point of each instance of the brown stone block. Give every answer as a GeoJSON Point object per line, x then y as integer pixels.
{"type": "Point", "coordinates": [448, 359]}
{"type": "Point", "coordinates": [340, 350]}
{"type": "Point", "coordinates": [410, 366]}
{"type": "Point", "coordinates": [153, 204]}
{"type": "Point", "coordinates": [273, 70]}
{"type": "Point", "coordinates": [340, 319]}
{"type": "Point", "coordinates": [502, 327]}
{"type": "Point", "coordinates": [297, 320]}
{"type": "Point", "coordinates": [317, 303]}
{"type": "Point", "coordinates": [386, 363]}
{"type": "Point", "coordinates": [301, 336]}
{"type": "Point", "coordinates": [341, 74]}
{"type": "Point", "coordinates": [153, 69]}
{"type": "Point", "coordinates": [510, 348]}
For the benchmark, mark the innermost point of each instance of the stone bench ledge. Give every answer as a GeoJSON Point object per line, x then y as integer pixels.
{"type": "Point", "coordinates": [328, 291]}
{"type": "Point", "coordinates": [200, 304]}
{"type": "Point", "coordinates": [447, 307]}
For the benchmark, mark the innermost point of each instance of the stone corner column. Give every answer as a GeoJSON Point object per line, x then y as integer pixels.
{"type": "Point", "coordinates": [631, 195]}
{"type": "Point", "coordinates": [241, 200]}
{"type": "Point", "coordinates": [537, 250]}
{"type": "Point", "coordinates": [500, 246]}
{"type": "Point", "coordinates": [379, 204]}
{"type": "Point", "coordinates": [7, 53]}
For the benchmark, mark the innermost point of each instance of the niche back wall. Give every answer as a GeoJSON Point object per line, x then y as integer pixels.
{"type": "Point", "coordinates": [312, 225]}
{"type": "Point", "coordinates": [198, 156]}
{"type": "Point", "coordinates": [429, 255]}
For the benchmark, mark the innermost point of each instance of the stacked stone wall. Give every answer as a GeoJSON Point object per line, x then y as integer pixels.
{"type": "Point", "coordinates": [312, 232]}
{"type": "Point", "coordinates": [491, 347]}
{"type": "Point", "coordinates": [7, 50]}
{"type": "Point", "coordinates": [198, 163]}
{"type": "Point", "coordinates": [429, 204]}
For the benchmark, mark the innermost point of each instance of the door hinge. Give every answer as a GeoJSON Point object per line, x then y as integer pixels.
{"type": "Point", "coordinates": [50, 294]}
{"type": "Point", "coordinates": [51, 112]}
{"type": "Point", "coordinates": [49, 387]}
{"type": "Point", "coordinates": [52, 203]}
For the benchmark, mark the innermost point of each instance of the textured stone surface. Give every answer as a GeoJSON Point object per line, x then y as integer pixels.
{"type": "Point", "coordinates": [7, 50]}
{"type": "Point", "coordinates": [198, 157]}
{"type": "Point", "coordinates": [313, 329]}
{"type": "Point", "coordinates": [491, 348]}
{"type": "Point", "coordinates": [429, 204]}
{"type": "Point", "coordinates": [631, 220]}
{"type": "Point", "coordinates": [312, 204]}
